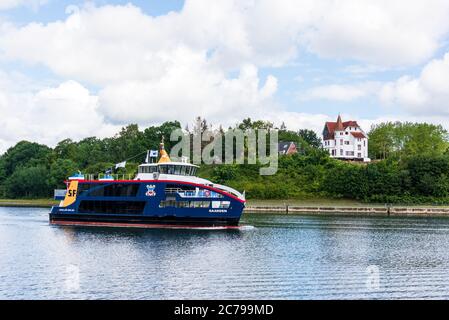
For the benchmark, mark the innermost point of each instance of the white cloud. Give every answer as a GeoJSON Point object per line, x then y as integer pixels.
{"type": "Point", "coordinates": [110, 43]}
{"type": "Point", "coordinates": [426, 94]}
{"type": "Point", "coordinates": [48, 115]}
{"type": "Point", "coordinates": [337, 92]}
{"type": "Point", "coordinates": [205, 60]}
{"type": "Point", "coordinates": [186, 91]}
{"type": "Point", "coordinates": [380, 32]}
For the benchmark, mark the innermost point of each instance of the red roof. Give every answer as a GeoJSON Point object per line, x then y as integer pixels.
{"type": "Point", "coordinates": [359, 135]}
{"type": "Point", "coordinates": [332, 126]}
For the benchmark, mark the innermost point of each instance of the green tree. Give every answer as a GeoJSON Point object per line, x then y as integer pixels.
{"type": "Point", "coordinates": [28, 182]}
{"type": "Point", "coordinates": [310, 137]}
{"type": "Point", "coordinates": [406, 140]}
{"type": "Point", "coordinates": [60, 170]}
{"type": "Point", "coordinates": [429, 175]}
{"type": "Point", "coordinates": [22, 154]}
{"type": "Point", "coordinates": [66, 149]}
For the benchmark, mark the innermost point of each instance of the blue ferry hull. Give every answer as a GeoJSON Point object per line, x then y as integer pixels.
{"type": "Point", "coordinates": [150, 203]}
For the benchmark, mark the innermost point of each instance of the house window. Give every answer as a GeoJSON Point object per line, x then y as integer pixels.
{"type": "Point", "coordinates": [350, 153]}
{"type": "Point", "coordinates": [359, 155]}
{"type": "Point", "coordinates": [346, 133]}
{"type": "Point", "coordinates": [341, 152]}
{"type": "Point", "coordinates": [359, 147]}
{"type": "Point", "coordinates": [347, 143]}
{"type": "Point", "coordinates": [341, 142]}
{"type": "Point", "coordinates": [364, 143]}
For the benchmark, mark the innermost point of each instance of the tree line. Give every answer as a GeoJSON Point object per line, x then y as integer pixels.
{"type": "Point", "coordinates": [410, 164]}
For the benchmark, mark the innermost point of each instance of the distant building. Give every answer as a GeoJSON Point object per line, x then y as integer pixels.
{"type": "Point", "coordinates": [345, 140]}
{"type": "Point", "coordinates": [287, 148]}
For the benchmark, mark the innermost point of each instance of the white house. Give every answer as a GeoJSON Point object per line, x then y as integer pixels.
{"type": "Point", "coordinates": [345, 140]}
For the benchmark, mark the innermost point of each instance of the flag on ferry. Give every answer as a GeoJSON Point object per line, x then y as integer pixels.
{"type": "Point", "coordinates": [120, 165]}
{"type": "Point", "coordinates": [147, 159]}
{"type": "Point", "coordinates": [154, 153]}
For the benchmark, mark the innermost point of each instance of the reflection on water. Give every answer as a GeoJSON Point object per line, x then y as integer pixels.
{"type": "Point", "coordinates": [283, 257]}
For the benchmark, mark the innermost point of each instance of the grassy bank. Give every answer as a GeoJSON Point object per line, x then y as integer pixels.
{"type": "Point", "coordinates": [36, 203]}
{"type": "Point", "coordinates": [309, 203]}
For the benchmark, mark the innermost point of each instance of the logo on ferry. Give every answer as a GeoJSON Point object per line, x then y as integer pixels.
{"type": "Point", "coordinates": [150, 190]}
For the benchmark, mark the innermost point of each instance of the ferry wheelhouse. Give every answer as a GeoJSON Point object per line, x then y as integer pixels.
{"type": "Point", "coordinates": [162, 194]}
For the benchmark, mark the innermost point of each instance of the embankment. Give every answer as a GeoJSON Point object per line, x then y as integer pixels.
{"type": "Point", "coordinates": [386, 211]}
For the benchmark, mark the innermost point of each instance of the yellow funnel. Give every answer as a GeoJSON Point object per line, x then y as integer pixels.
{"type": "Point", "coordinates": [164, 155]}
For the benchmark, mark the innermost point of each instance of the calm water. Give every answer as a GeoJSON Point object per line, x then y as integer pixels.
{"type": "Point", "coordinates": [283, 257]}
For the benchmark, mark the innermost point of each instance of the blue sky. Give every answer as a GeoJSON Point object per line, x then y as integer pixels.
{"type": "Point", "coordinates": [302, 63]}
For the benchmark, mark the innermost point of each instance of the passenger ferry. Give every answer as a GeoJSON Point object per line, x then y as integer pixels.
{"type": "Point", "coordinates": [162, 194]}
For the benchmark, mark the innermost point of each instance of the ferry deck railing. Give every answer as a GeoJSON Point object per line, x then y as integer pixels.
{"type": "Point", "coordinates": [103, 176]}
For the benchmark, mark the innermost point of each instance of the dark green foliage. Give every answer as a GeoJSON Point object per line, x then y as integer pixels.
{"type": "Point", "coordinates": [32, 170]}
{"type": "Point", "coordinates": [224, 173]}
{"type": "Point", "coordinates": [429, 175]}
{"type": "Point", "coordinates": [59, 171]}
{"type": "Point", "coordinates": [28, 182]}
{"type": "Point", "coordinates": [416, 168]}
{"type": "Point", "coordinates": [310, 137]}
{"type": "Point", "coordinates": [407, 139]}
{"type": "Point", "coordinates": [23, 154]}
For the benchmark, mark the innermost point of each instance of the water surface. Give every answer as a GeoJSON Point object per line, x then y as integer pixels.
{"type": "Point", "coordinates": [283, 257]}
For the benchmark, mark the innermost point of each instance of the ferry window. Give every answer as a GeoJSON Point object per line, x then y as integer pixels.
{"type": "Point", "coordinates": [178, 170]}
{"type": "Point", "coordinates": [182, 204]}
{"type": "Point", "coordinates": [143, 169]}
{"type": "Point", "coordinates": [183, 170]}
{"type": "Point", "coordinates": [163, 169]}
{"type": "Point", "coordinates": [173, 188]}
{"type": "Point", "coordinates": [112, 207]}
{"type": "Point", "coordinates": [167, 204]}
{"type": "Point", "coordinates": [115, 190]}
{"type": "Point", "coordinates": [171, 169]}
{"type": "Point", "coordinates": [205, 204]}
{"type": "Point", "coordinates": [83, 188]}
{"type": "Point", "coordinates": [194, 204]}
{"type": "Point", "coordinates": [225, 204]}
{"type": "Point", "coordinates": [199, 204]}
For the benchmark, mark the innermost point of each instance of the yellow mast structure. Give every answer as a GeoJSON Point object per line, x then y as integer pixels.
{"type": "Point", "coordinates": [164, 155]}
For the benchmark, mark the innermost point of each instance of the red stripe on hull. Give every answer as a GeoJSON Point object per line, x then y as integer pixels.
{"type": "Point", "coordinates": [168, 181]}
{"type": "Point", "coordinates": [140, 225]}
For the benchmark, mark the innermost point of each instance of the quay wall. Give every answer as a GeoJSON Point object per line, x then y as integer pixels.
{"type": "Point", "coordinates": [356, 211]}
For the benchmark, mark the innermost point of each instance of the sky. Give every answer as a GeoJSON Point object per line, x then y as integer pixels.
{"type": "Point", "coordinates": [75, 68]}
